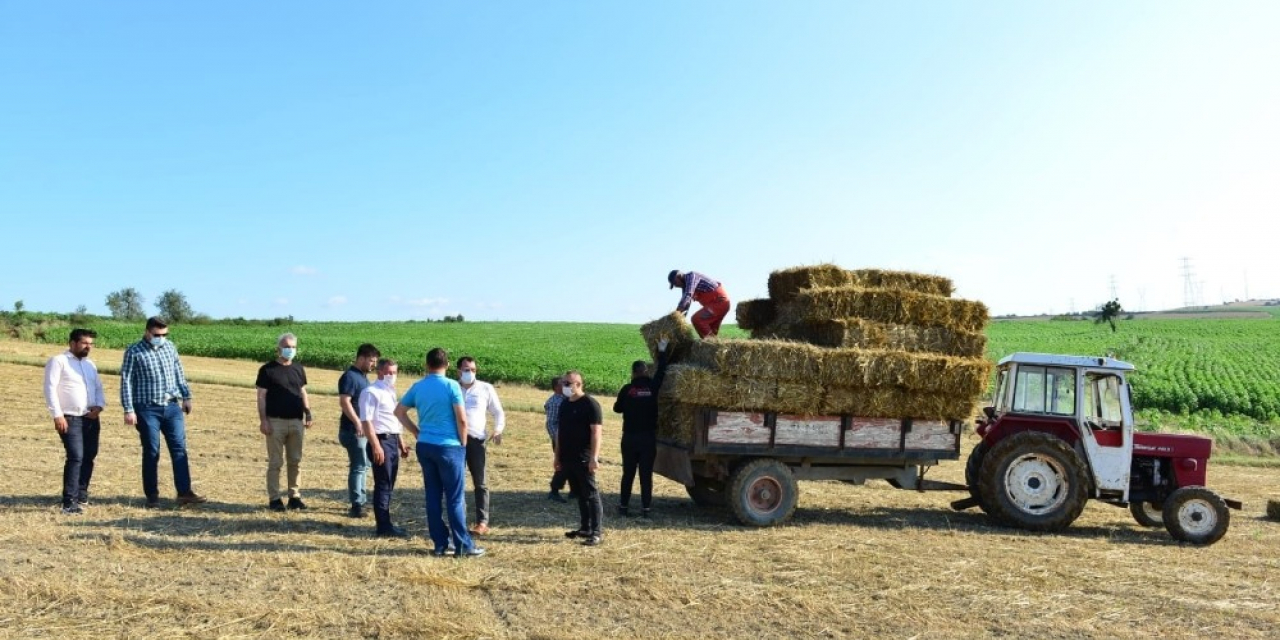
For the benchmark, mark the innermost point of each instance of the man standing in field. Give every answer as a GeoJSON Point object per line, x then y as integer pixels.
{"type": "Point", "coordinates": [638, 404]}
{"type": "Point", "coordinates": [480, 398]}
{"type": "Point", "coordinates": [151, 385]}
{"type": "Point", "coordinates": [578, 455]}
{"type": "Point", "coordinates": [552, 409]}
{"type": "Point", "coordinates": [382, 431]}
{"type": "Point", "coordinates": [73, 393]}
{"type": "Point", "coordinates": [709, 293]}
{"type": "Point", "coordinates": [441, 433]}
{"type": "Point", "coordinates": [284, 412]}
{"type": "Point", "coordinates": [352, 383]}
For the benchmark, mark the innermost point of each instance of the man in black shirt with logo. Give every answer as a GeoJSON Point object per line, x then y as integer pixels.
{"type": "Point", "coordinates": [638, 404]}
{"type": "Point", "coordinates": [578, 455]}
{"type": "Point", "coordinates": [285, 414]}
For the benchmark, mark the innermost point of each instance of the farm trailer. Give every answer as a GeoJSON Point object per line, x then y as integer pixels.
{"type": "Point", "coordinates": [751, 461]}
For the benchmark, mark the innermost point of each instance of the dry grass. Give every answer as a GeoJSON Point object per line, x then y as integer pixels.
{"type": "Point", "coordinates": [855, 562]}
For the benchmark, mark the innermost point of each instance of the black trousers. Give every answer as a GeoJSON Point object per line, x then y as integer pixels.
{"type": "Point", "coordinates": [558, 479]}
{"type": "Point", "coordinates": [638, 453]}
{"type": "Point", "coordinates": [476, 448]}
{"type": "Point", "coordinates": [384, 477]}
{"type": "Point", "coordinates": [81, 443]}
{"type": "Point", "coordinates": [590, 506]}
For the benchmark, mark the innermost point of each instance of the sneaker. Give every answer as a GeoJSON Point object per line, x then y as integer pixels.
{"type": "Point", "coordinates": [191, 497]}
{"type": "Point", "coordinates": [276, 505]}
{"type": "Point", "coordinates": [392, 532]}
{"type": "Point", "coordinates": [577, 533]}
{"type": "Point", "coordinates": [646, 513]}
{"type": "Point", "coordinates": [72, 509]}
{"type": "Point", "coordinates": [440, 553]}
{"type": "Point", "coordinates": [357, 510]}
{"type": "Point", "coordinates": [623, 510]}
{"type": "Point", "coordinates": [592, 541]}
{"type": "Point", "coordinates": [297, 503]}
{"type": "Point", "coordinates": [83, 498]}
{"type": "Point", "coordinates": [153, 502]}
{"type": "Point", "coordinates": [473, 552]}
{"type": "Point", "coordinates": [480, 529]}
{"type": "Point", "coordinates": [555, 495]}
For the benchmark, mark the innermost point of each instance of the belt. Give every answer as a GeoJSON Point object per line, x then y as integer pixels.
{"type": "Point", "coordinates": [384, 436]}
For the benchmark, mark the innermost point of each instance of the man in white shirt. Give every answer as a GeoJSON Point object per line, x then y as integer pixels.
{"type": "Point", "coordinates": [73, 393]}
{"type": "Point", "coordinates": [378, 422]}
{"type": "Point", "coordinates": [480, 398]}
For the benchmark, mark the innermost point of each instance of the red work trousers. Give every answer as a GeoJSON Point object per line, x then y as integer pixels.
{"type": "Point", "coordinates": [715, 306]}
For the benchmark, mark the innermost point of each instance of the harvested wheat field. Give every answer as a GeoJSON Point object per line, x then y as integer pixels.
{"type": "Point", "coordinates": [865, 561]}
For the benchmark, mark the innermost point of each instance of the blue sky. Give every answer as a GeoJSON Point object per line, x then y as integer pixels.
{"type": "Point", "coordinates": [552, 161]}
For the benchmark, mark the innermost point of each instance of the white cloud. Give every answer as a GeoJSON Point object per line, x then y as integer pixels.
{"type": "Point", "coordinates": [336, 301]}
{"type": "Point", "coordinates": [303, 270]}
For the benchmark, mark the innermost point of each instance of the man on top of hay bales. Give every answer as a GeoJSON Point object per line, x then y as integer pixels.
{"type": "Point", "coordinates": [709, 293]}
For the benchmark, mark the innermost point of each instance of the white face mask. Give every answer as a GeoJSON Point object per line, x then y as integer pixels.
{"type": "Point", "coordinates": [567, 391]}
{"type": "Point", "coordinates": [390, 381]}
{"type": "Point", "coordinates": [468, 377]}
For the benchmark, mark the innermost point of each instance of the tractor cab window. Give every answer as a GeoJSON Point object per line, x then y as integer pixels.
{"type": "Point", "coordinates": [1102, 400]}
{"type": "Point", "coordinates": [1045, 390]}
{"type": "Point", "coordinates": [1001, 399]}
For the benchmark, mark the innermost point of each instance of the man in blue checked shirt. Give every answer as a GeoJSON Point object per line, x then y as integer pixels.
{"type": "Point", "coordinates": [151, 386]}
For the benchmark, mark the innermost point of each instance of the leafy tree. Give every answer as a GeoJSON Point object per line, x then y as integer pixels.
{"type": "Point", "coordinates": [174, 307]}
{"type": "Point", "coordinates": [18, 307]}
{"type": "Point", "coordinates": [80, 316]}
{"type": "Point", "coordinates": [1108, 313]}
{"type": "Point", "coordinates": [126, 304]}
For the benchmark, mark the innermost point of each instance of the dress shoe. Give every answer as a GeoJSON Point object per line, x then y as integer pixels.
{"type": "Point", "coordinates": [357, 511]}
{"type": "Point", "coordinates": [276, 505]}
{"type": "Point", "coordinates": [191, 497]}
{"type": "Point", "coordinates": [555, 495]}
{"type": "Point", "coordinates": [578, 533]}
{"type": "Point", "coordinates": [297, 504]}
{"type": "Point", "coordinates": [153, 502]}
{"type": "Point", "coordinates": [392, 532]}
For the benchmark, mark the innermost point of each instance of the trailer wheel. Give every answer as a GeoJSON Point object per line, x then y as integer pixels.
{"type": "Point", "coordinates": [1034, 481]}
{"type": "Point", "coordinates": [1196, 515]}
{"type": "Point", "coordinates": [706, 492]}
{"type": "Point", "coordinates": [763, 492]}
{"type": "Point", "coordinates": [1148, 514]}
{"type": "Point", "coordinates": [972, 466]}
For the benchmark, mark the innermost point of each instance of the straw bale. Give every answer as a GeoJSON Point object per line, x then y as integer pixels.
{"type": "Point", "coordinates": [752, 314]}
{"type": "Point", "coordinates": [920, 372]}
{"type": "Point", "coordinates": [903, 280]}
{"type": "Point", "coordinates": [868, 334]}
{"type": "Point", "coordinates": [696, 386]}
{"type": "Point", "coordinates": [1273, 509]}
{"type": "Point", "coordinates": [676, 421]}
{"type": "Point", "coordinates": [891, 402]}
{"type": "Point", "coordinates": [674, 328]}
{"type": "Point", "coordinates": [768, 359]}
{"type": "Point", "coordinates": [885, 305]}
{"type": "Point", "coordinates": [785, 284]}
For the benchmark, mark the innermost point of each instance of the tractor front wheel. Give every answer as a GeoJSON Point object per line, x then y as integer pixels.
{"type": "Point", "coordinates": [1196, 515]}
{"type": "Point", "coordinates": [1148, 514]}
{"type": "Point", "coordinates": [763, 492]}
{"type": "Point", "coordinates": [1034, 481]}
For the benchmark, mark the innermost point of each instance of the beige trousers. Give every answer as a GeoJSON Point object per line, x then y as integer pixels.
{"type": "Point", "coordinates": [284, 445]}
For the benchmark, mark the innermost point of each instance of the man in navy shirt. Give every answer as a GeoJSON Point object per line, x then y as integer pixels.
{"type": "Point", "coordinates": [354, 381]}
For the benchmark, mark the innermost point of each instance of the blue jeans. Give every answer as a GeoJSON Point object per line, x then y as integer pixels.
{"type": "Point", "coordinates": [443, 471]}
{"type": "Point", "coordinates": [81, 443]}
{"type": "Point", "coordinates": [357, 464]}
{"type": "Point", "coordinates": [167, 420]}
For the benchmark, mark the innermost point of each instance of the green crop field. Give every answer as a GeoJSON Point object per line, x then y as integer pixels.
{"type": "Point", "coordinates": [1213, 371]}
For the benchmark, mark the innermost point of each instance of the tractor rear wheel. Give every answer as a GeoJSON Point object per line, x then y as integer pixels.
{"type": "Point", "coordinates": [1196, 515]}
{"type": "Point", "coordinates": [763, 492]}
{"type": "Point", "coordinates": [972, 467]}
{"type": "Point", "coordinates": [1148, 514]}
{"type": "Point", "coordinates": [1034, 481]}
{"type": "Point", "coordinates": [706, 492]}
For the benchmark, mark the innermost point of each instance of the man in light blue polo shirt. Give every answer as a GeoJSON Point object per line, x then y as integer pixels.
{"type": "Point", "coordinates": [442, 444]}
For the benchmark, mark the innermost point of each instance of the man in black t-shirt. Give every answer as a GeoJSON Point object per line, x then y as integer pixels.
{"type": "Point", "coordinates": [638, 404]}
{"type": "Point", "coordinates": [578, 456]}
{"type": "Point", "coordinates": [284, 412]}
{"type": "Point", "coordinates": [354, 381]}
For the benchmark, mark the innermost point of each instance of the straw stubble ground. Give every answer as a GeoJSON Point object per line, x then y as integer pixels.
{"type": "Point", "coordinates": [856, 561]}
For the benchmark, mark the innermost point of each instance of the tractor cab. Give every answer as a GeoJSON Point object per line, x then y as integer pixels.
{"type": "Point", "coordinates": [1060, 431]}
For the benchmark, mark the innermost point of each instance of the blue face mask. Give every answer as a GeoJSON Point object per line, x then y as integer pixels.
{"type": "Point", "coordinates": [157, 341]}
{"type": "Point", "coordinates": [288, 353]}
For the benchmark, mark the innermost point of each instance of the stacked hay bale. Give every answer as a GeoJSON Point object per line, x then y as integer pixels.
{"type": "Point", "coordinates": [867, 343]}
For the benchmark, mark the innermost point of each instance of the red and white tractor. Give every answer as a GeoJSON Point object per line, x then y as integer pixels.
{"type": "Point", "coordinates": [1060, 431]}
